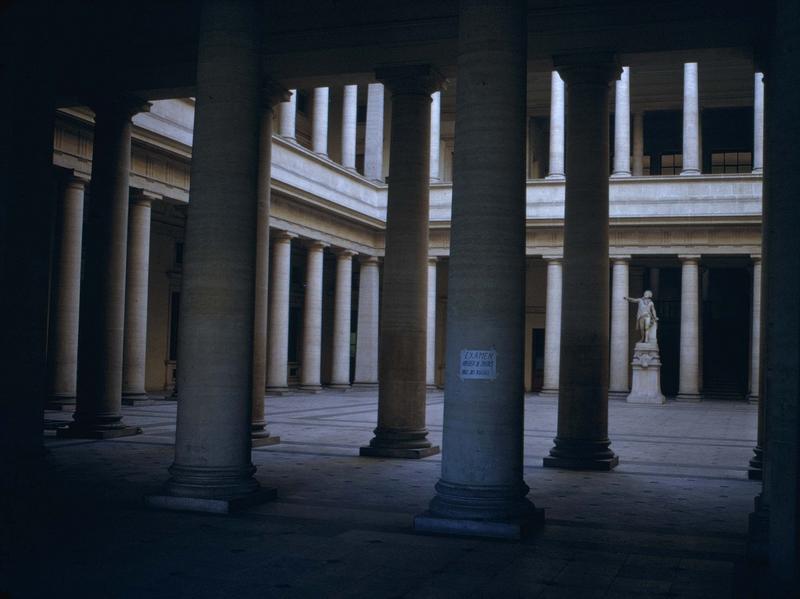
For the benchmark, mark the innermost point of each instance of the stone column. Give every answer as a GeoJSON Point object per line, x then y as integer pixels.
{"type": "Point", "coordinates": [98, 412]}
{"type": "Point", "coordinates": [782, 288]}
{"type": "Point", "coordinates": [349, 117]}
{"type": "Point", "coordinates": [401, 431]}
{"type": "Point", "coordinates": [755, 336]}
{"type": "Point", "coordinates": [758, 123]}
{"type": "Point", "coordinates": [366, 375]}
{"type": "Point", "coordinates": [689, 364]}
{"type": "Point", "coordinates": [319, 124]}
{"type": "Point", "coordinates": [552, 327]}
{"type": "Point", "coordinates": [582, 441]}
{"type": "Point", "coordinates": [436, 133]}
{"type": "Point", "coordinates": [481, 490]}
{"type": "Point", "coordinates": [312, 319]}
{"type": "Point", "coordinates": [430, 355]}
{"type": "Point", "coordinates": [288, 116]}
{"type": "Point", "coordinates": [213, 470]}
{"type": "Point", "coordinates": [620, 358]}
{"type": "Point", "coordinates": [556, 169]}
{"type": "Point", "coordinates": [134, 353]}
{"type": "Point", "coordinates": [341, 320]}
{"type": "Point", "coordinates": [622, 126]}
{"type": "Point", "coordinates": [691, 121]}
{"type": "Point", "coordinates": [271, 94]}
{"type": "Point", "coordinates": [373, 136]}
{"type": "Point", "coordinates": [64, 363]}
{"type": "Point", "coordinates": [278, 329]}
{"type": "Point", "coordinates": [638, 143]}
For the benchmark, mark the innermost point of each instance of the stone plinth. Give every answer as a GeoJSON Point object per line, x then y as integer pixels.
{"type": "Point", "coordinates": [646, 381]}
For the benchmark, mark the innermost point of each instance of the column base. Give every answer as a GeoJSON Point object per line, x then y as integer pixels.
{"type": "Point", "coordinates": [257, 440]}
{"type": "Point", "coordinates": [396, 452]}
{"type": "Point", "coordinates": [549, 392]}
{"type": "Point", "coordinates": [364, 386]}
{"type": "Point", "coordinates": [136, 399]}
{"type": "Point", "coordinates": [60, 403]}
{"type": "Point", "coordinates": [753, 399]}
{"type": "Point", "coordinates": [690, 172]}
{"type": "Point", "coordinates": [516, 528]}
{"type": "Point", "coordinates": [431, 387]}
{"type": "Point", "coordinates": [555, 177]}
{"type": "Point", "coordinates": [689, 397]}
{"type": "Point", "coordinates": [620, 175]}
{"type": "Point", "coordinates": [571, 454]}
{"type": "Point", "coordinates": [278, 391]}
{"type": "Point", "coordinates": [310, 388]}
{"type": "Point", "coordinates": [755, 470]}
{"type": "Point", "coordinates": [409, 444]}
{"type": "Point", "coordinates": [216, 505]}
{"type": "Point", "coordinates": [618, 395]}
{"type": "Point", "coordinates": [98, 431]}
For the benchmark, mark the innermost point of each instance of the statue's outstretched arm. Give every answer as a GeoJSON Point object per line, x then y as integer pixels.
{"type": "Point", "coordinates": [632, 300]}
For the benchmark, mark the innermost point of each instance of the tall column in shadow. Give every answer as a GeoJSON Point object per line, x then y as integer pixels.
{"type": "Point", "coordinates": [582, 441]}
{"type": "Point", "coordinates": [401, 431]}
{"type": "Point", "coordinates": [481, 490]}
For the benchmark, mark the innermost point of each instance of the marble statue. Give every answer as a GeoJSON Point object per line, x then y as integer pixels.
{"type": "Point", "coordinates": [646, 319]}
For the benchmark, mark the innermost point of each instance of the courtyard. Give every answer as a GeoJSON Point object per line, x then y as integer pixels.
{"type": "Point", "coordinates": [670, 521]}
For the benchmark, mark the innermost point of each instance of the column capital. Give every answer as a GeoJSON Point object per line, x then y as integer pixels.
{"type": "Point", "coordinates": [368, 259]}
{"type": "Point", "coordinates": [272, 92]}
{"type": "Point", "coordinates": [620, 258]}
{"type": "Point", "coordinates": [433, 259]}
{"type": "Point", "coordinates": [689, 257]}
{"type": "Point", "coordinates": [419, 79]}
{"type": "Point", "coordinates": [282, 236]}
{"type": "Point", "coordinates": [756, 258]}
{"type": "Point", "coordinates": [553, 258]}
{"type": "Point", "coordinates": [344, 253]}
{"type": "Point", "coordinates": [75, 179]}
{"type": "Point", "coordinates": [123, 106]}
{"type": "Point", "coordinates": [143, 197]}
{"type": "Point", "coordinates": [596, 68]}
{"type": "Point", "coordinates": [316, 245]}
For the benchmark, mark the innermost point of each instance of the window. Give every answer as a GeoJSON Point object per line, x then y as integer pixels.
{"type": "Point", "coordinates": [178, 254]}
{"type": "Point", "coordinates": [302, 101]}
{"type": "Point", "coordinates": [731, 162]}
{"type": "Point", "coordinates": [645, 165]}
{"type": "Point", "coordinates": [671, 164]}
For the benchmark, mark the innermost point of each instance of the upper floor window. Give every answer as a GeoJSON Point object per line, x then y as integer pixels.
{"type": "Point", "coordinates": [671, 164]}
{"type": "Point", "coordinates": [731, 162]}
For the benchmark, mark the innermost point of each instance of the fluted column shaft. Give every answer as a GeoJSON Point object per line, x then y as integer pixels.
{"type": "Point", "coordinates": [215, 347]}
{"type": "Point", "coordinates": [102, 307]}
{"type": "Point", "coordinates": [582, 441]}
{"type": "Point", "coordinates": [288, 115]}
{"type": "Point", "coordinates": [278, 322]}
{"type": "Point", "coordinates": [620, 313]}
{"type": "Point", "coordinates": [366, 374]}
{"type": "Point", "coordinates": [67, 304]}
{"type": "Point", "coordinates": [755, 336]}
{"type": "Point", "coordinates": [758, 123]}
{"type": "Point", "coordinates": [312, 319]}
{"type": "Point", "coordinates": [689, 363]}
{"type": "Point", "coordinates": [134, 353]}
{"type": "Point", "coordinates": [552, 327]}
{"type": "Point", "coordinates": [430, 355]}
{"type": "Point", "coordinates": [638, 144]}
{"type": "Point", "coordinates": [556, 168]}
{"type": "Point", "coordinates": [622, 125]}
{"type": "Point", "coordinates": [319, 123]}
{"type": "Point", "coordinates": [691, 121]}
{"type": "Point", "coordinates": [481, 486]}
{"type": "Point", "coordinates": [401, 428]}
{"type": "Point", "coordinates": [436, 133]}
{"type": "Point", "coordinates": [373, 136]}
{"type": "Point", "coordinates": [271, 94]}
{"type": "Point", "coordinates": [341, 320]}
{"type": "Point", "coordinates": [349, 117]}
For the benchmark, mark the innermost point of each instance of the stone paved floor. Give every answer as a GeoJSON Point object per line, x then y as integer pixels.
{"type": "Point", "coordinates": [670, 521]}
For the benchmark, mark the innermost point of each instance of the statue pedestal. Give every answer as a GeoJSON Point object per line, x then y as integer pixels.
{"type": "Point", "coordinates": [646, 383]}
